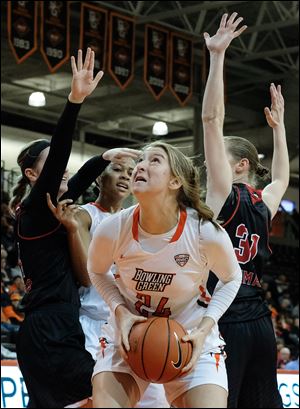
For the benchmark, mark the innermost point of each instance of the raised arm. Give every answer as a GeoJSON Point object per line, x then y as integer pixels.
{"type": "Point", "coordinates": [273, 192]}
{"type": "Point", "coordinates": [219, 174]}
{"type": "Point", "coordinates": [83, 84]}
{"type": "Point", "coordinates": [94, 167]}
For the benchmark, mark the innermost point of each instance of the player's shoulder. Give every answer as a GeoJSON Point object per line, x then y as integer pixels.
{"type": "Point", "coordinates": [209, 231]}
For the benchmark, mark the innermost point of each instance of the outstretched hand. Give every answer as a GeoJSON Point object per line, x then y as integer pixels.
{"type": "Point", "coordinates": [118, 155]}
{"type": "Point", "coordinates": [226, 33]}
{"type": "Point", "coordinates": [275, 116]}
{"type": "Point", "coordinates": [65, 212]}
{"type": "Point", "coordinates": [83, 81]}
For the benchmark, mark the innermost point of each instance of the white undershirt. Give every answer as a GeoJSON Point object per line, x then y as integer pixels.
{"type": "Point", "coordinates": [154, 242]}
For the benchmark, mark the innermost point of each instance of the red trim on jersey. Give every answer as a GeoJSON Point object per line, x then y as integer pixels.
{"type": "Point", "coordinates": [254, 200]}
{"type": "Point", "coordinates": [180, 227]}
{"type": "Point", "coordinates": [203, 294]}
{"type": "Point", "coordinates": [135, 223]}
{"type": "Point", "coordinates": [35, 237]}
{"type": "Point", "coordinates": [255, 194]}
{"type": "Point", "coordinates": [99, 207]}
{"type": "Point", "coordinates": [235, 210]}
{"type": "Point", "coordinates": [177, 234]}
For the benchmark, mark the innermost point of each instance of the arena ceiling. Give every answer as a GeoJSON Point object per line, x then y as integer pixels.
{"type": "Point", "coordinates": [267, 52]}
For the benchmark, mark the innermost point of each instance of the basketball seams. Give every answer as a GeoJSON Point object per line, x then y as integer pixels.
{"type": "Point", "coordinates": [168, 350]}
{"type": "Point", "coordinates": [142, 348]}
{"type": "Point", "coordinates": [157, 349]}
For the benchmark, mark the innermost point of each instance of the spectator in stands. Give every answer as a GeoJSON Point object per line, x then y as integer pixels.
{"type": "Point", "coordinates": [285, 305]}
{"type": "Point", "coordinates": [17, 286]}
{"type": "Point", "coordinates": [4, 271]}
{"type": "Point", "coordinates": [283, 357]}
{"type": "Point", "coordinates": [7, 307]}
{"type": "Point", "coordinates": [281, 284]}
{"type": "Point", "coordinates": [295, 311]}
{"type": "Point", "coordinates": [6, 325]}
{"type": "Point", "coordinates": [293, 365]}
{"type": "Point", "coordinates": [8, 240]}
{"type": "Point", "coordinates": [7, 354]}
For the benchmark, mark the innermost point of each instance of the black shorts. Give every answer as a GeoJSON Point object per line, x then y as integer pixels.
{"type": "Point", "coordinates": [251, 364]}
{"type": "Point", "coordinates": [56, 367]}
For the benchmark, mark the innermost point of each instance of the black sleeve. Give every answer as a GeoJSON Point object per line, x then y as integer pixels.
{"type": "Point", "coordinates": [85, 177]}
{"type": "Point", "coordinates": [56, 162]}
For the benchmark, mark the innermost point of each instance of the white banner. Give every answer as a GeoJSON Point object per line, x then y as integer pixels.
{"type": "Point", "coordinates": [14, 392]}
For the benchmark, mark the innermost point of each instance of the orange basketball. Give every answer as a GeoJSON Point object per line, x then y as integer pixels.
{"type": "Point", "coordinates": [157, 353]}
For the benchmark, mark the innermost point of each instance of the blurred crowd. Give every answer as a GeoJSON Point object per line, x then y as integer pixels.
{"type": "Point", "coordinates": [279, 284]}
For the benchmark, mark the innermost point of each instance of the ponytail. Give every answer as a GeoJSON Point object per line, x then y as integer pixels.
{"type": "Point", "coordinates": [26, 159]}
{"type": "Point", "coordinates": [262, 172]}
{"type": "Point", "coordinates": [241, 148]}
{"type": "Point", "coordinates": [19, 191]}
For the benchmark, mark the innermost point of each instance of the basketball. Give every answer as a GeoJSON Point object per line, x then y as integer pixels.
{"type": "Point", "coordinates": [157, 353]}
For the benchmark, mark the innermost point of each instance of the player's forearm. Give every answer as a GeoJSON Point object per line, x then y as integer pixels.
{"type": "Point", "coordinates": [79, 251]}
{"type": "Point", "coordinates": [213, 100]}
{"type": "Point", "coordinates": [280, 161]}
{"type": "Point", "coordinates": [223, 296]}
{"type": "Point", "coordinates": [106, 286]}
{"type": "Point", "coordinates": [213, 117]}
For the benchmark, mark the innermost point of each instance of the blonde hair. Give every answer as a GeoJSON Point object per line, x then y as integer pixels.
{"type": "Point", "coordinates": [241, 148]}
{"type": "Point", "coordinates": [183, 168]}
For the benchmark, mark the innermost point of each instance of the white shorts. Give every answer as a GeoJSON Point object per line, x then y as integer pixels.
{"type": "Point", "coordinates": [154, 396]}
{"type": "Point", "coordinates": [92, 331]}
{"type": "Point", "coordinates": [210, 369]}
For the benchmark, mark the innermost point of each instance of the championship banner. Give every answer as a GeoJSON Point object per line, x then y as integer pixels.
{"type": "Point", "coordinates": [181, 68]}
{"type": "Point", "coordinates": [55, 29]}
{"type": "Point", "coordinates": [156, 60]}
{"type": "Point", "coordinates": [22, 28]}
{"type": "Point", "coordinates": [93, 28]}
{"type": "Point", "coordinates": [121, 49]}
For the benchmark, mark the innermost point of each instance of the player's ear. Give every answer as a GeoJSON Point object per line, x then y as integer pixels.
{"type": "Point", "coordinates": [174, 183]}
{"type": "Point", "coordinates": [31, 174]}
{"type": "Point", "coordinates": [242, 165]}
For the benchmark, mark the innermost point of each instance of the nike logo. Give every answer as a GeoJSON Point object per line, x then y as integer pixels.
{"type": "Point", "coordinates": [179, 361]}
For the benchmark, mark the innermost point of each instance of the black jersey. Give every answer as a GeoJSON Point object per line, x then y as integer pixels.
{"type": "Point", "coordinates": [42, 240]}
{"type": "Point", "coordinates": [247, 219]}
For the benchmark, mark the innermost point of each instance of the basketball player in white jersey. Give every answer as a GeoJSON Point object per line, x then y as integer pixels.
{"type": "Point", "coordinates": [163, 249]}
{"type": "Point", "coordinates": [114, 185]}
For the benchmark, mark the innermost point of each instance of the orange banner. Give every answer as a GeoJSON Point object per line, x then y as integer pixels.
{"type": "Point", "coordinates": [93, 29]}
{"type": "Point", "coordinates": [121, 49]}
{"type": "Point", "coordinates": [181, 68]}
{"type": "Point", "coordinates": [156, 60]}
{"type": "Point", "coordinates": [22, 28]}
{"type": "Point", "coordinates": [55, 33]}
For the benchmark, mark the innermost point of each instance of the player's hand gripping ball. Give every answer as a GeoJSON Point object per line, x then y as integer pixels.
{"type": "Point", "coordinates": [157, 353]}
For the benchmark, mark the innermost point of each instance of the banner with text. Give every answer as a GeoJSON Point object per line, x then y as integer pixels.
{"type": "Point", "coordinates": [22, 28]}
{"type": "Point", "coordinates": [93, 29]}
{"type": "Point", "coordinates": [121, 49]}
{"type": "Point", "coordinates": [181, 68]}
{"type": "Point", "coordinates": [156, 60]}
{"type": "Point", "coordinates": [55, 33]}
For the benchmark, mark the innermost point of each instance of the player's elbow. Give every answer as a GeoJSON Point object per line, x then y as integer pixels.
{"type": "Point", "coordinates": [213, 118]}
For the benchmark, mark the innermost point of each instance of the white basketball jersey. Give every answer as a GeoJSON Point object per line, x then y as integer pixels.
{"type": "Point", "coordinates": [92, 304]}
{"type": "Point", "coordinates": [170, 282]}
